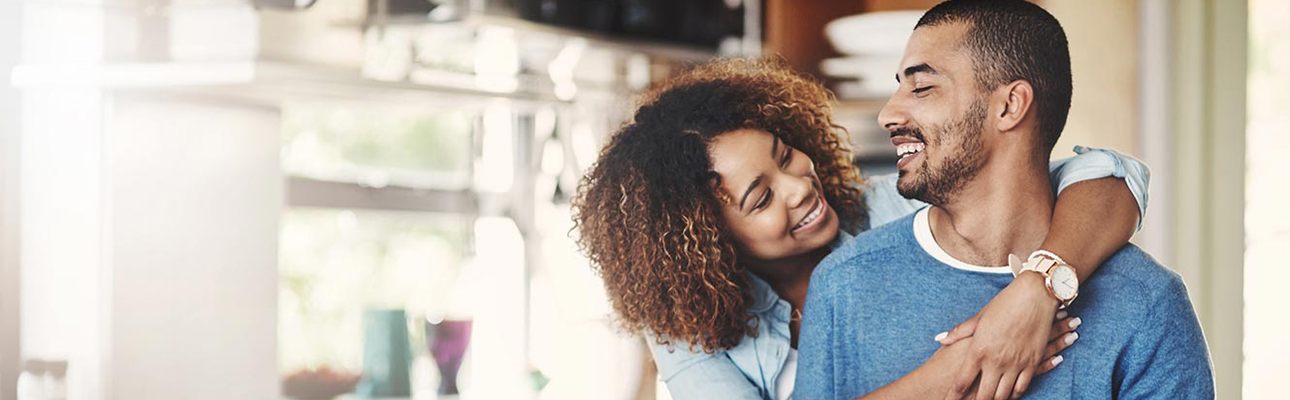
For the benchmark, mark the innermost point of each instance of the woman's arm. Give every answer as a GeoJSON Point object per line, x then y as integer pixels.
{"type": "Point", "coordinates": [885, 204]}
{"type": "Point", "coordinates": [1091, 222]}
{"type": "Point", "coordinates": [699, 376]}
{"type": "Point", "coordinates": [934, 378]}
{"type": "Point", "coordinates": [1092, 219]}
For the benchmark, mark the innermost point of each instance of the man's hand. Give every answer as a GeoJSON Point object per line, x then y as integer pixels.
{"type": "Point", "coordinates": [1010, 336]}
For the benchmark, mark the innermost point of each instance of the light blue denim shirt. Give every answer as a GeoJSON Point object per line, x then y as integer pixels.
{"type": "Point", "coordinates": [748, 371]}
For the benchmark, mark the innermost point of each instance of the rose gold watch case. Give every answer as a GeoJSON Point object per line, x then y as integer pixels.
{"type": "Point", "coordinates": [1048, 282]}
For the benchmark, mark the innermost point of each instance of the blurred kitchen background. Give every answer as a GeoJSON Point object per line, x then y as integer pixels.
{"type": "Point", "coordinates": [272, 199]}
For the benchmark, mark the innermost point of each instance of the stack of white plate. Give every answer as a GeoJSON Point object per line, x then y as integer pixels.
{"type": "Point", "coordinates": [873, 44]}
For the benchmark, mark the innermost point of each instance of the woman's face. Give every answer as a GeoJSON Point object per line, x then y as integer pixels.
{"type": "Point", "coordinates": [774, 201]}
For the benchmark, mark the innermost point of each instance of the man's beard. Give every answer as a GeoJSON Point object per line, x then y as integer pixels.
{"type": "Point", "coordinates": [939, 184]}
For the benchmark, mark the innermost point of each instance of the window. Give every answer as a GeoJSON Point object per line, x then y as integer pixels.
{"type": "Point", "coordinates": [334, 263]}
{"type": "Point", "coordinates": [379, 218]}
{"type": "Point", "coordinates": [1267, 222]}
{"type": "Point", "coordinates": [377, 146]}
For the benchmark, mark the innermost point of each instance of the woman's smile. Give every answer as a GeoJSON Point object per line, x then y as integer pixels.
{"type": "Point", "coordinates": [819, 216]}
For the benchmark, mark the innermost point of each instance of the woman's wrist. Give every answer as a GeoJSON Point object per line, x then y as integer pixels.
{"type": "Point", "coordinates": [1033, 287]}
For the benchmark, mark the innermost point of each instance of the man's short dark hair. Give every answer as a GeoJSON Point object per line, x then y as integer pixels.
{"type": "Point", "coordinates": [1012, 40]}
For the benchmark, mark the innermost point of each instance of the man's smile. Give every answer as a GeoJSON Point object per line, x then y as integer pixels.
{"type": "Point", "coordinates": [907, 148]}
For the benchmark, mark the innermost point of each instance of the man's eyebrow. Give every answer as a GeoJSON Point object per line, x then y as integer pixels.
{"type": "Point", "coordinates": [774, 146]}
{"type": "Point", "coordinates": [923, 67]}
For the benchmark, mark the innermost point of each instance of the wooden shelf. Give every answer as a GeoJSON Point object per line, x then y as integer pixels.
{"type": "Point", "coordinates": [795, 29]}
{"type": "Point", "coordinates": [671, 51]}
{"type": "Point", "coordinates": [860, 105]}
{"type": "Point", "coordinates": [678, 52]}
{"type": "Point", "coordinates": [270, 82]}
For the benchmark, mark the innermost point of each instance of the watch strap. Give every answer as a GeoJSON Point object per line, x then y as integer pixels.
{"type": "Point", "coordinates": [1041, 253]}
{"type": "Point", "coordinates": [1043, 262]}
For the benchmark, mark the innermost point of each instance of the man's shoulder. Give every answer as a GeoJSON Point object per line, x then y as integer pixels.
{"type": "Point", "coordinates": [1133, 269]}
{"type": "Point", "coordinates": [868, 247]}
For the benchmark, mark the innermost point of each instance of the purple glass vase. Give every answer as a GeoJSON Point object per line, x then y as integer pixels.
{"type": "Point", "coordinates": [447, 341]}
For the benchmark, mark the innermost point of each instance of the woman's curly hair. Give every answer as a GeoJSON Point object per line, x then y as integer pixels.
{"type": "Point", "coordinates": [648, 212]}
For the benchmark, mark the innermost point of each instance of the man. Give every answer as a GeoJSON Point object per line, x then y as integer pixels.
{"type": "Point", "coordinates": [985, 90]}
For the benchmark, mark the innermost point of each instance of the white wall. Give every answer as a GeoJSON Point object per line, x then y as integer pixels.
{"type": "Point", "coordinates": [149, 248]}
{"type": "Point", "coordinates": [1209, 94]}
{"type": "Point", "coordinates": [61, 235]}
{"type": "Point", "coordinates": [10, 36]}
{"type": "Point", "coordinates": [194, 201]}
{"type": "Point", "coordinates": [149, 245]}
{"type": "Point", "coordinates": [60, 244]}
{"type": "Point", "coordinates": [148, 242]}
{"type": "Point", "coordinates": [1104, 65]}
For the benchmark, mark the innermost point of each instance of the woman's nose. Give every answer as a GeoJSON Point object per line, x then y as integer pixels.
{"type": "Point", "coordinates": [800, 190]}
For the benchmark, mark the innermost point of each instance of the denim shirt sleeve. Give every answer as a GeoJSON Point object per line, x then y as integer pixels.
{"type": "Point", "coordinates": [695, 375]}
{"type": "Point", "coordinates": [1093, 163]}
{"type": "Point", "coordinates": [886, 204]}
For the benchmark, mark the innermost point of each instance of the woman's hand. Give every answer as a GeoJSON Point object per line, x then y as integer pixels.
{"type": "Point", "coordinates": [1010, 337]}
{"type": "Point", "coordinates": [1062, 336]}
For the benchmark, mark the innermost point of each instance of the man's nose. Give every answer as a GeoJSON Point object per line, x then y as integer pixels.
{"type": "Point", "coordinates": [893, 115]}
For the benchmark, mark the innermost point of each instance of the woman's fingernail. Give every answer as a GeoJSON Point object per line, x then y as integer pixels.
{"type": "Point", "coordinates": [941, 336]}
{"type": "Point", "coordinates": [1057, 360]}
{"type": "Point", "coordinates": [1070, 337]}
{"type": "Point", "coordinates": [1075, 322]}
{"type": "Point", "coordinates": [1061, 314]}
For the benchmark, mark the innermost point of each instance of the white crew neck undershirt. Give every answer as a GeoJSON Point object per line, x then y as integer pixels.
{"type": "Point", "coordinates": [923, 234]}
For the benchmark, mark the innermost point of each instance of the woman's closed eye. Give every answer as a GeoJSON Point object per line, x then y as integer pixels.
{"type": "Point", "coordinates": [764, 201]}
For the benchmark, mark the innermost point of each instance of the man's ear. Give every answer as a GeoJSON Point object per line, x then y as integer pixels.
{"type": "Point", "coordinates": [1016, 98]}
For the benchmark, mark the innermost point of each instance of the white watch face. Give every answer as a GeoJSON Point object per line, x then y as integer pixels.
{"type": "Point", "coordinates": [1065, 283]}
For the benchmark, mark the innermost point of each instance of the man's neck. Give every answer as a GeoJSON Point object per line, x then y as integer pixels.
{"type": "Point", "coordinates": [1006, 209]}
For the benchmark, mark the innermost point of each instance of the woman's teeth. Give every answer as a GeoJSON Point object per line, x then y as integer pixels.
{"type": "Point", "coordinates": [907, 149]}
{"type": "Point", "coordinates": [810, 217]}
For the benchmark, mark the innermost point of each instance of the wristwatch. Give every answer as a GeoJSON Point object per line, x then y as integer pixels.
{"type": "Point", "coordinates": [1059, 277]}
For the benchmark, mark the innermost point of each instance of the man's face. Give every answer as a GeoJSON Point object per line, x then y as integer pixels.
{"type": "Point", "coordinates": [937, 116]}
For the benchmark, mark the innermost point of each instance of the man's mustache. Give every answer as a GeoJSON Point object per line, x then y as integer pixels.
{"type": "Point", "coordinates": [910, 132]}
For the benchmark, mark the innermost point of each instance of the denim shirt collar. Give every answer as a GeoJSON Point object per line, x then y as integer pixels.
{"type": "Point", "coordinates": [764, 297]}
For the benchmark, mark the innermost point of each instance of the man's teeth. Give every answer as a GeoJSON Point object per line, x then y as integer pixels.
{"type": "Point", "coordinates": [810, 217]}
{"type": "Point", "coordinates": [906, 149]}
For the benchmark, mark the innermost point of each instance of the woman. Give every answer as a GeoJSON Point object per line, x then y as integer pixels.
{"type": "Point", "coordinates": [684, 267]}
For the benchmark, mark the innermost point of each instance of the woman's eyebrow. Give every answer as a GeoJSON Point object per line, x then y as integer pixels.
{"type": "Point", "coordinates": [774, 146]}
